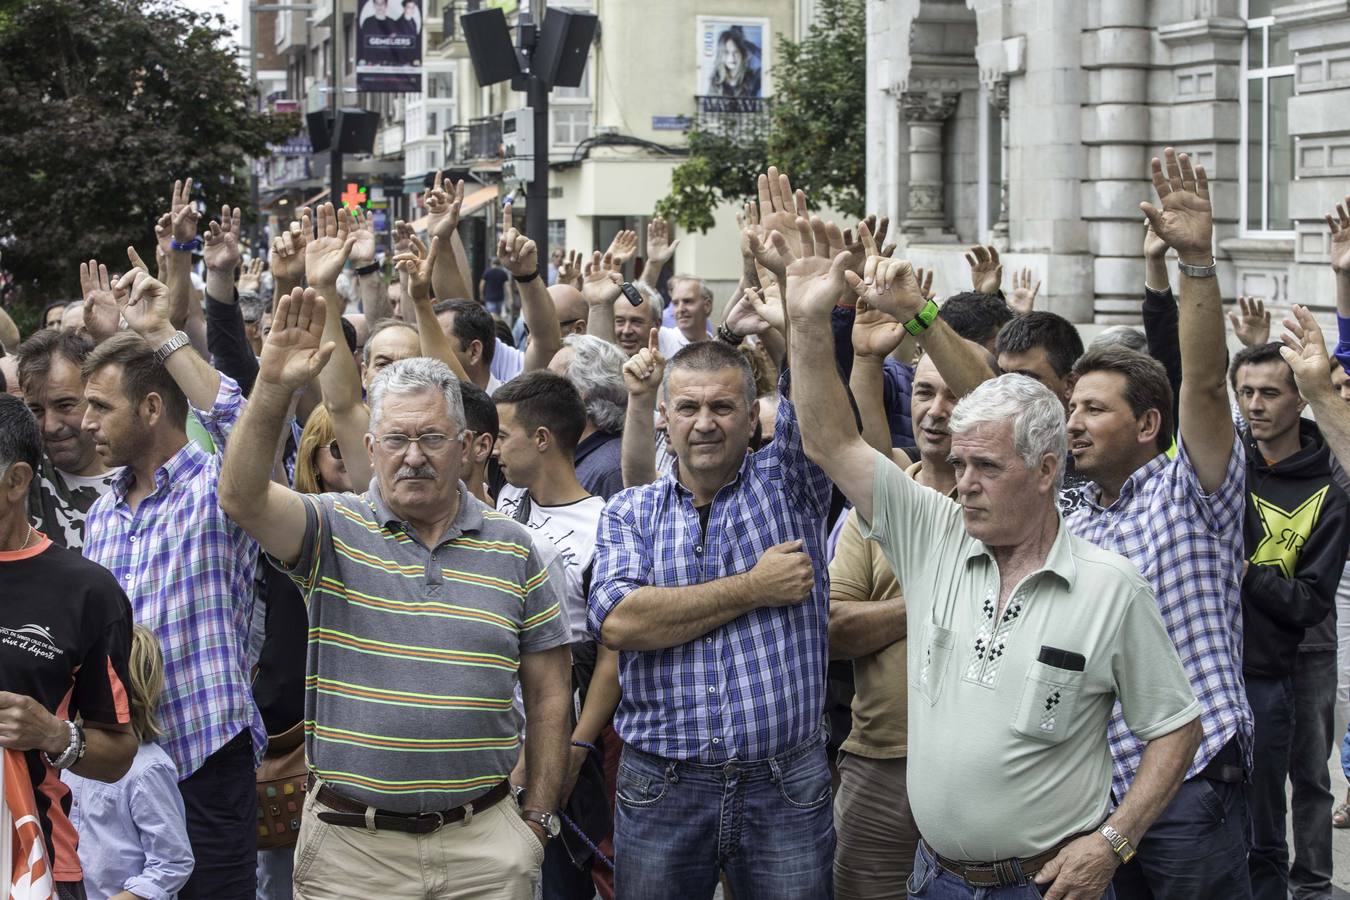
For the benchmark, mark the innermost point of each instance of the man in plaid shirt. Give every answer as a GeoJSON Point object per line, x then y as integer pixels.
{"type": "Point", "coordinates": [712, 584]}
{"type": "Point", "coordinates": [1180, 522]}
{"type": "Point", "coordinates": [187, 568]}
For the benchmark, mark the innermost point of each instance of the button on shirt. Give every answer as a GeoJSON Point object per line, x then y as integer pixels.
{"type": "Point", "coordinates": [1188, 545]}
{"type": "Point", "coordinates": [1008, 750]}
{"type": "Point", "coordinates": [188, 570]}
{"type": "Point", "coordinates": [753, 687]}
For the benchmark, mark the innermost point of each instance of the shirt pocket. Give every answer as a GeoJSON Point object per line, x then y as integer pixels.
{"type": "Point", "coordinates": [928, 676]}
{"type": "Point", "coordinates": [1049, 697]}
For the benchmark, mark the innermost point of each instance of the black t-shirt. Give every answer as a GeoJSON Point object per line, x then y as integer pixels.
{"type": "Point", "coordinates": [65, 633]}
{"type": "Point", "coordinates": [494, 284]}
{"type": "Point", "coordinates": [279, 682]}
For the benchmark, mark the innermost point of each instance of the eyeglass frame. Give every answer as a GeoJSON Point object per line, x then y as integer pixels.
{"type": "Point", "coordinates": [450, 438]}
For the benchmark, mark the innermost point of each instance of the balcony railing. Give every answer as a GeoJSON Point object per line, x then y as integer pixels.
{"type": "Point", "coordinates": [457, 145]}
{"type": "Point", "coordinates": [485, 138]}
{"type": "Point", "coordinates": [733, 115]}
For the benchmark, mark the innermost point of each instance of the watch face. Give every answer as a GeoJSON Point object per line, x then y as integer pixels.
{"type": "Point", "coordinates": [554, 826]}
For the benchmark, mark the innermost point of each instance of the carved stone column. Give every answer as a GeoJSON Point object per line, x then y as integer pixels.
{"type": "Point", "coordinates": [925, 111]}
{"type": "Point", "coordinates": [998, 98]}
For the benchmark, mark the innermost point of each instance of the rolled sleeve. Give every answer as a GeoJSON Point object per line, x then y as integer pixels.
{"type": "Point", "coordinates": [1155, 694]}
{"type": "Point", "coordinates": [157, 809]}
{"type": "Point", "coordinates": [224, 414]}
{"type": "Point", "coordinates": [1222, 510]}
{"type": "Point", "coordinates": [623, 563]}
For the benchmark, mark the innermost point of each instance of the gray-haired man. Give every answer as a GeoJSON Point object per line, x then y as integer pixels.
{"type": "Point", "coordinates": [1006, 652]}
{"type": "Point", "coordinates": [423, 606]}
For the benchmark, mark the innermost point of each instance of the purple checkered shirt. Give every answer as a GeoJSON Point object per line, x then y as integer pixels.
{"type": "Point", "coordinates": [189, 573]}
{"type": "Point", "coordinates": [754, 687]}
{"type": "Point", "coordinates": [1188, 544]}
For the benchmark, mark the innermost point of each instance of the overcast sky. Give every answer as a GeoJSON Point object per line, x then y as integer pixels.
{"type": "Point", "coordinates": [230, 9]}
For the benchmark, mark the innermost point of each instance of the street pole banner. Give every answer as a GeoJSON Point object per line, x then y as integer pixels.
{"type": "Point", "coordinates": [389, 46]}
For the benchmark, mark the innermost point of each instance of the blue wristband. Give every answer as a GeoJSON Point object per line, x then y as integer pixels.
{"type": "Point", "coordinates": [191, 246]}
{"type": "Point", "coordinates": [585, 745]}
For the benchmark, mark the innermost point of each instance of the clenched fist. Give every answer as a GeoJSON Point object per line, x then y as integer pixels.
{"type": "Point", "coordinates": [784, 575]}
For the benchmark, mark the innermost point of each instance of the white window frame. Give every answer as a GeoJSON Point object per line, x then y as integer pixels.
{"type": "Point", "coordinates": [1262, 78]}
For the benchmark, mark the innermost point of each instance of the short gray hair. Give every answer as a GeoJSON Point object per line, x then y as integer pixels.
{"type": "Point", "coordinates": [653, 297]}
{"type": "Point", "coordinates": [704, 292]}
{"type": "Point", "coordinates": [1036, 415]}
{"type": "Point", "coordinates": [412, 376]}
{"type": "Point", "coordinates": [1122, 336]}
{"type": "Point", "coordinates": [596, 371]}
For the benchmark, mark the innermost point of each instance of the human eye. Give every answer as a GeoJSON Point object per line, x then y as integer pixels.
{"type": "Point", "coordinates": [394, 442]}
{"type": "Point", "coordinates": [433, 441]}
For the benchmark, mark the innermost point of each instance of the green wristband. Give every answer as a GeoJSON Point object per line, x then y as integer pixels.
{"type": "Point", "coordinates": [919, 323]}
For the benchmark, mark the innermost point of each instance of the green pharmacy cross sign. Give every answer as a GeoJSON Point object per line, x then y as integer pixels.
{"type": "Point", "coordinates": [353, 196]}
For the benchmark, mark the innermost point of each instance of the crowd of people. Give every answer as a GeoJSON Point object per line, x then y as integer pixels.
{"type": "Point", "coordinates": [332, 577]}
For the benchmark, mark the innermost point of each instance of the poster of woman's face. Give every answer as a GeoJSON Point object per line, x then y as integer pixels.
{"type": "Point", "coordinates": [732, 56]}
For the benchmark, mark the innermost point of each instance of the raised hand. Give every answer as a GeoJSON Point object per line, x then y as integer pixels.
{"type": "Point", "coordinates": [813, 282]}
{"type": "Point", "coordinates": [748, 222]}
{"type": "Point", "coordinates": [418, 263]}
{"type": "Point", "coordinates": [1154, 246]}
{"type": "Point", "coordinates": [986, 272]}
{"type": "Point", "coordinates": [1186, 221]}
{"type": "Point", "coordinates": [875, 333]}
{"type": "Point", "coordinates": [660, 248]}
{"type": "Point", "coordinates": [288, 252]}
{"type": "Point", "coordinates": [623, 247]}
{"type": "Point", "coordinates": [180, 222]}
{"type": "Point", "coordinates": [602, 280]}
{"type": "Point", "coordinates": [101, 316]}
{"type": "Point", "coordinates": [363, 229]}
{"type": "Point", "coordinates": [643, 372]}
{"type": "Point", "coordinates": [1305, 350]}
{"type": "Point", "coordinates": [294, 351]}
{"type": "Point", "coordinates": [327, 252]}
{"type": "Point", "coordinates": [144, 303]}
{"type": "Point", "coordinates": [922, 275]}
{"type": "Point", "coordinates": [888, 285]}
{"type": "Point", "coordinates": [744, 317]}
{"type": "Point", "coordinates": [403, 235]}
{"type": "Point", "coordinates": [1023, 296]}
{"type": "Point", "coordinates": [1340, 237]}
{"type": "Point", "coordinates": [779, 205]}
{"type": "Point", "coordinates": [569, 271]}
{"type": "Point", "coordinates": [1251, 324]}
{"type": "Point", "coordinates": [220, 247]}
{"type": "Point", "coordinates": [251, 278]}
{"type": "Point", "coordinates": [857, 253]}
{"type": "Point", "coordinates": [518, 254]}
{"type": "Point", "coordinates": [443, 202]}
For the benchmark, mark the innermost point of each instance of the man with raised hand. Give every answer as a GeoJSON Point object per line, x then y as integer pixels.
{"type": "Point", "coordinates": [1006, 653]}
{"type": "Point", "coordinates": [425, 609]}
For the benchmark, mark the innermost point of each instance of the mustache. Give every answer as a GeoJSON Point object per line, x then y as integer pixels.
{"type": "Point", "coordinates": [423, 471]}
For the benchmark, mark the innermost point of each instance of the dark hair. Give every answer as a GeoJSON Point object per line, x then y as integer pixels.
{"type": "Point", "coordinates": [711, 356]}
{"type": "Point", "coordinates": [1255, 356]}
{"type": "Point", "coordinates": [348, 334]}
{"type": "Point", "coordinates": [480, 413]}
{"type": "Point", "coordinates": [35, 354]}
{"type": "Point", "coordinates": [1146, 385]}
{"type": "Point", "coordinates": [472, 323]}
{"type": "Point", "coordinates": [975, 316]}
{"type": "Point", "coordinates": [504, 333]}
{"type": "Point", "coordinates": [1054, 334]}
{"type": "Point", "coordinates": [141, 375]}
{"type": "Point", "coordinates": [51, 306]}
{"type": "Point", "coordinates": [20, 437]}
{"type": "Point", "coordinates": [543, 399]}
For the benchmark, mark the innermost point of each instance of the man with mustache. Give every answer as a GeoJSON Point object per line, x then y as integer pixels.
{"type": "Point", "coordinates": [72, 475]}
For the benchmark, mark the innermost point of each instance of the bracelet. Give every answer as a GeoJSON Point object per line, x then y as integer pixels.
{"type": "Point", "coordinates": [920, 322]}
{"type": "Point", "coordinates": [586, 745]}
{"type": "Point", "coordinates": [727, 336]}
{"type": "Point", "coordinates": [521, 279]}
{"type": "Point", "coordinates": [74, 750]}
{"type": "Point", "coordinates": [191, 246]}
{"type": "Point", "coordinates": [367, 270]}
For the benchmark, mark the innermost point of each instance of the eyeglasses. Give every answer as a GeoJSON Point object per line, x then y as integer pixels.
{"type": "Point", "coordinates": [429, 443]}
{"type": "Point", "coordinates": [334, 450]}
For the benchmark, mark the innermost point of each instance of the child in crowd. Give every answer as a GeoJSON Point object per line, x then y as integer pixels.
{"type": "Point", "coordinates": [133, 834]}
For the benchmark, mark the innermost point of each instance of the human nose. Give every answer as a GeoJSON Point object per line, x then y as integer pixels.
{"type": "Point", "coordinates": [414, 455]}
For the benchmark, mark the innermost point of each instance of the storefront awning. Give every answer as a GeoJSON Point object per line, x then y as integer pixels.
{"type": "Point", "coordinates": [473, 202]}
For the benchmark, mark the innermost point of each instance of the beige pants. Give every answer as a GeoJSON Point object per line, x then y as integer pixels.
{"type": "Point", "coordinates": [874, 829]}
{"type": "Point", "coordinates": [495, 856]}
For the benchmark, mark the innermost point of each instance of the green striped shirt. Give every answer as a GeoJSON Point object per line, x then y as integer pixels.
{"type": "Point", "coordinates": [413, 652]}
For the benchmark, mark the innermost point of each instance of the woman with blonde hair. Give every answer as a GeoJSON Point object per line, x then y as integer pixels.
{"type": "Point", "coordinates": [133, 834]}
{"type": "Point", "coordinates": [318, 461]}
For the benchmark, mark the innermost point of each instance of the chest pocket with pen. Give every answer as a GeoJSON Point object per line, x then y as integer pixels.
{"type": "Point", "coordinates": [1050, 695]}
{"type": "Point", "coordinates": [928, 675]}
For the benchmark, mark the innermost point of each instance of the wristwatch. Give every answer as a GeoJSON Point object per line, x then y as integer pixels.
{"type": "Point", "coordinates": [1198, 271]}
{"type": "Point", "coordinates": [1119, 843]}
{"type": "Point", "coordinates": [548, 821]}
{"type": "Point", "coordinates": [169, 347]}
{"type": "Point", "coordinates": [919, 323]}
{"type": "Point", "coordinates": [74, 751]}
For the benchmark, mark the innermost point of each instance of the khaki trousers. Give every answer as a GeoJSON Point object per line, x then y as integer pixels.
{"type": "Point", "coordinates": [494, 856]}
{"type": "Point", "coordinates": [875, 829]}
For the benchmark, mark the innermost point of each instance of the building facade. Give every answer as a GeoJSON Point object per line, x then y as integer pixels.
{"type": "Point", "coordinates": [1029, 124]}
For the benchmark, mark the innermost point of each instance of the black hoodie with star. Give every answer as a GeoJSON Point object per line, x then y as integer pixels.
{"type": "Point", "coordinates": [1296, 533]}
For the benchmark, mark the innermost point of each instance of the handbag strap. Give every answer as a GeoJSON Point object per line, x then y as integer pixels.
{"type": "Point", "coordinates": [288, 740]}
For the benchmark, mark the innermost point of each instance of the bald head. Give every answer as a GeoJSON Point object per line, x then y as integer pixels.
{"type": "Point", "coordinates": [571, 307]}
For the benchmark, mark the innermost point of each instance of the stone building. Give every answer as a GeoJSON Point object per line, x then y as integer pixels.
{"type": "Point", "coordinates": [1030, 124]}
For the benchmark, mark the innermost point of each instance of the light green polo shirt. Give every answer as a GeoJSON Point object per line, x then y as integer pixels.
{"type": "Point", "coordinates": [1008, 755]}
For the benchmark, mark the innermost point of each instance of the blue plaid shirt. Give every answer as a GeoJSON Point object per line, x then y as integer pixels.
{"type": "Point", "coordinates": [754, 687]}
{"type": "Point", "coordinates": [1188, 544]}
{"type": "Point", "coordinates": [189, 573]}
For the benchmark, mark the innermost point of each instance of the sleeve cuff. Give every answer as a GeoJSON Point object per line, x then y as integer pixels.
{"type": "Point", "coordinates": [142, 886]}
{"type": "Point", "coordinates": [1160, 300]}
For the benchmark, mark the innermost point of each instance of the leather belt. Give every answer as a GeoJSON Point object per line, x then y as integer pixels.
{"type": "Point", "coordinates": [1001, 873]}
{"type": "Point", "coordinates": [351, 814]}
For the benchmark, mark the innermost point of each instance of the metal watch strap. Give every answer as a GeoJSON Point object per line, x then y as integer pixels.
{"type": "Point", "coordinates": [1198, 271]}
{"type": "Point", "coordinates": [1119, 843]}
{"type": "Point", "coordinates": [74, 750]}
{"type": "Point", "coordinates": [171, 346]}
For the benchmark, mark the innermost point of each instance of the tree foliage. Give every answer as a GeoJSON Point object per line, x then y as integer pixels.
{"type": "Point", "coordinates": [815, 128]}
{"type": "Point", "coordinates": [105, 103]}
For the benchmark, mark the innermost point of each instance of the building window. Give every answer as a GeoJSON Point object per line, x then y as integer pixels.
{"type": "Point", "coordinates": [1267, 149]}
{"type": "Point", "coordinates": [440, 85]}
{"type": "Point", "coordinates": [571, 124]}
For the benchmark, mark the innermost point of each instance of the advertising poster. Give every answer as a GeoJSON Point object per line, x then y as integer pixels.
{"type": "Point", "coordinates": [733, 55]}
{"type": "Point", "coordinates": [389, 46]}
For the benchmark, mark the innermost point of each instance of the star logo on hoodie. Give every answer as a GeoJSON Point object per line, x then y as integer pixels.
{"type": "Point", "coordinates": [1286, 531]}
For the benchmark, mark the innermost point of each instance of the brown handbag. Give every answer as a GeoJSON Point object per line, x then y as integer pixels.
{"type": "Point", "coordinates": [282, 779]}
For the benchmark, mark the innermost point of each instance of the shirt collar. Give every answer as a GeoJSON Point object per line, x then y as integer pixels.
{"type": "Point", "coordinates": [592, 442]}
{"type": "Point", "coordinates": [1092, 491]}
{"type": "Point", "coordinates": [1059, 561]}
{"type": "Point", "coordinates": [176, 469]}
{"type": "Point", "coordinates": [746, 463]}
{"type": "Point", "coordinates": [468, 518]}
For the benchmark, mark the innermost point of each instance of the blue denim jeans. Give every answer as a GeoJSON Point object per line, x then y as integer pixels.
{"type": "Point", "coordinates": [275, 871]}
{"type": "Point", "coordinates": [767, 825]}
{"type": "Point", "coordinates": [1272, 701]}
{"type": "Point", "coordinates": [930, 881]}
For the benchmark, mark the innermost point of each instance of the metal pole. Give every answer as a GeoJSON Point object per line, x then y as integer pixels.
{"type": "Point", "coordinates": [335, 102]}
{"type": "Point", "coordinates": [536, 195]}
{"type": "Point", "coordinates": [255, 198]}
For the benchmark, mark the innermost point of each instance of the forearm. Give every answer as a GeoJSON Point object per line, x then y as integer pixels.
{"type": "Point", "coordinates": [822, 404]}
{"type": "Point", "coordinates": [862, 627]}
{"type": "Point", "coordinates": [1343, 293]}
{"type": "Point", "coordinates": [1161, 772]}
{"type": "Point", "coordinates": [1155, 273]}
{"type": "Point", "coordinates": [374, 297]}
{"type": "Point", "coordinates": [448, 279]}
{"type": "Point", "coordinates": [199, 382]}
{"type": "Point", "coordinates": [178, 279]}
{"type": "Point", "coordinates": [600, 321]}
{"type": "Point", "coordinates": [961, 365]}
{"type": "Point", "coordinates": [1292, 602]}
{"type": "Point", "coordinates": [107, 754]}
{"type": "Point", "coordinates": [637, 447]}
{"type": "Point", "coordinates": [227, 343]}
{"type": "Point", "coordinates": [1333, 420]}
{"type": "Point", "coordinates": [867, 384]}
{"type": "Point", "coordinates": [340, 380]}
{"type": "Point", "coordinates": [243, 483]}
{"type": "Point", "coordinates": [9, 332]}
{"type": "Point", "coordinates": [282, 286]}
{"type": "Point", "coordinates": [654, 618]}
{"type": "Point", "coordinates": [774, 345]}
{"type": "Point", "coordinates": [432, 339]}
{"type": "Point", "coordinates": [547, 695]}
{"type": "Point", "coordinates": [1204, 407]}
{"type": "Point", "coordinates": [541, 317]}
{"type": "Point", "coordinates": [651, 274]}
{"type": "Point", "coordinates": [602, 697]}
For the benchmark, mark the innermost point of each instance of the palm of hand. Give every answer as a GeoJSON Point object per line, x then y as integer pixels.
{"type": "Point", "coordinates": [363, 250]}
{"type": "Point", "coordinates": [100, 313]}
{"type": "Point", "coordinates": [1022, 300]}
{"type": "Point", "coordinates": [987, 277]}
{"type": "Point", "coordinates": [287, 356]}
{"type": "Point", "coordinates": [442, 216]}
{"type": "Point", "coordinates": [745, 319]}
{"type": "Point", "coordinates": [221, 253]}
{"type": "Point", "coordinates": [875, 333]}
{"type": "Point", "coordinates": [601, 287]}
{"type": "Point", "coordinates": [1185, 223]}
{"type": "Point", "coordinates": [1340, 250]}
{"type": "Point", "coordinates": [324, 259]}
{"type": "Point", "coordinates": [810, 288]}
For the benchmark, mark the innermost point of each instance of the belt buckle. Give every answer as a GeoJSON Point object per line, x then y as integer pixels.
{"type": "Point", "coordinates": [1005, 872]}
{"type": "Point", "coordinates": [440, 822]}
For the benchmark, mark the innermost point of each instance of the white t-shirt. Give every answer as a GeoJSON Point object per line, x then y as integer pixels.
{"type": "Point", "coordinates": [672, 339]}
{"type": "Point", "coordinates": [507, 362]}
{"type": "Point", "coordinates": [564, 536]}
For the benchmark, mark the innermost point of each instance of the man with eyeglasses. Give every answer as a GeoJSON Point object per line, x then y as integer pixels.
{"type": "Point", "coordinates": [425, 607]}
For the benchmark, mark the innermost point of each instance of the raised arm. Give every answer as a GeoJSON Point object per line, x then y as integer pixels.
{"type": "Point", "coordinates": [1186, 224]}
{"type": "Point", "coordinates": [369, 285]}
{"type": "Point", "coordinates": [521, 258]}
{"type": "Point", "coordinates": [144, 302]}
{"type": "Point", "coordinates": [225, 337]}
{"type": "Point", "coordinates": [448, 281]}
{"type": "Point", "coordinates": [875, 336]}
{"type": "Point", "coordinates": [1339, 223]}
{"type": "Point", "coordinates": [418, 264]}
{"type": "Point", "coordinates": [1306, 352]}
{"type": "Point", "coordinates": [642, 376]}
{"type": "Point", "coordinates": [600, 287]}
{"type": "Point", "coordinates": [293, 355]}
{"type": "Point", "coordinates": [660, 248]}
{"type": "Point", "coordinates": [176, 232]}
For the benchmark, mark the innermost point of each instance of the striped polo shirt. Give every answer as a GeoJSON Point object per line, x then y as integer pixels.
{"type": "Point", "coordinates": [414, 651]}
